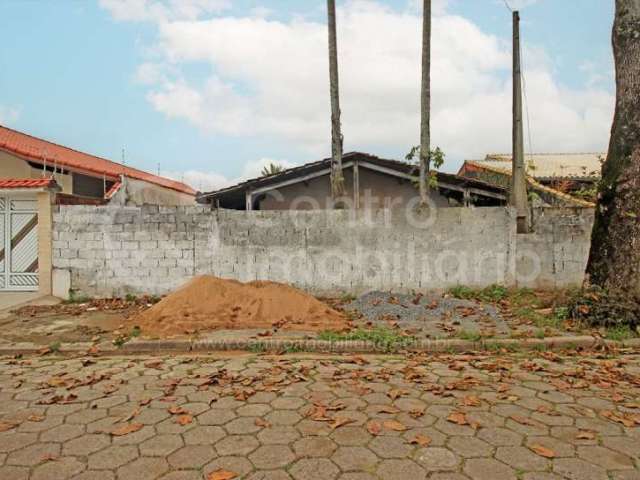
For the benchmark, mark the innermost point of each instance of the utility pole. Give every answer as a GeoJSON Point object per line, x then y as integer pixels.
{"type": "Point", "coordinates": [425, 103]}
{"type": "Point", "coordinates": [337, 180]}
{"type": "Point", "coordinates": [518, 193]}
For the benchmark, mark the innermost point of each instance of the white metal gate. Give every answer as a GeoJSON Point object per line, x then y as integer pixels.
{"type": "Point", "coordinates": [18, 243]}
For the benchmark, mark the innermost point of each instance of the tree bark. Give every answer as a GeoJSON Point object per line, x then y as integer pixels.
{"type": "Point", "coordinates": [425, 103]}
{"type": "Point", "coordinates": [614, 260]}
{"type": "Point", "coordinates": [337, 179]}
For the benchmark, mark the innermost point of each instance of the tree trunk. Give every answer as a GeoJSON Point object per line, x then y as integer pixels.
{"type": "Point", "coordinates": [337, 179]}
{"type": "Point", "coordinates": [614, 260]}
{"type": "Point", "coordinates": [425, 103]}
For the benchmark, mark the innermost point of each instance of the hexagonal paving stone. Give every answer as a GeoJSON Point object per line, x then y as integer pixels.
{"type": "Point", "coordinates": [86, 416]}
{"type": "Point", "coordinates": [269, 475]}
{"type": "Point", "coordinates": [95, 475]}
{"type": "Point", "coordinates": [576, 469]}
{"type": "Point", "coordinates": [484, 468]}
{"type": "Point", "coordinates": [62, 468]}
{"type": "Point", "coordinates": [400, 470]}
{"type": "Point", "coordinates": [192, 456]}
{"type": "Point", "coordinates": [205, 435]}
{"type": "Point", "coordinates": [10, 441]}
{"type": "Point", "coordinates": [521, 458]}
{"type": "Point", "coordinates": [135, 438]}
{"type": "Point", "coordinates": [355, 459]}
{"type": "Point", "coordinates": [160, 445]}
{"type": "Point", "coordinates": [14, 473]}
{"type": "Point", "coordinates": [86, 444]}
{"type": "Point", "coordinates": [182, 475]}
{"type": "Point", "coordinates": [112, 457]}
{"type": "Point", "coordinates": [283, 417]}
{"type": "Point", "coordinates": [315, 447]}
{"type": "Point", "coordinates": [236, 445]}
{"type": "Point", "coordinates": [242, 426]}
{"type": "Point", "coordinates": [350, 436]}
{"type": "Point", "coordinates": [606, 458]}
{"type": "Point", "coordinates": [216, 417]}
{"type": "Point", "coordinates": [436, 459]}
{"type": "Point", "coordinates": [500, 437]}
{"type": "Point", "coordinates": [314, 469]}
{"type": "Point", "coordinates": [272, 456]}
{"type": "Point", "coordinates": [33, 454]}
{"type": "Point", "coordinates": [470, 447]}
{"type": "Point", "coordinates": [254, 410]}
{"type": "Point", "coordinates": [390, 447]}
{"type": "Point", "coordinates": [278, 435]}
{"type": "Point", "coordinates": [239, 465]}
{"type": "Point", "coordinates": [288, 403]}
{"type": "Point", "coordinates": [560, 449]}
{"type": "Point", "coordinates": [62, 433]}
{"type": "Point", "coordinates": [144, 468]}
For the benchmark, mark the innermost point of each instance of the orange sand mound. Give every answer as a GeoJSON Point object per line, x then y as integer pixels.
{"type": "Point", "coordinates": [208, 303]}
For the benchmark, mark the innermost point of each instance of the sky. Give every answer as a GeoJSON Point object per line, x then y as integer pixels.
{"type": "Point", "coordinates": [209, 91]}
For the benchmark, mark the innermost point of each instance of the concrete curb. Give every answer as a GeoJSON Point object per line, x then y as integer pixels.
{"type": "Point", "coordinates": [145, 347]}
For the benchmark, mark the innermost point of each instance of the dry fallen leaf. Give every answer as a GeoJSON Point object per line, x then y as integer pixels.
{"type": "Point", "coordinates": [387, 409]}
{"type": "Point", "coordinates": [340, 421]}
{"type": "Point", "coordinates": [543, 451]}
{"type": "Point", "coordinates": [176, 410]}
{"type": "Point", "coordinates": [471, 401]}
{"type": "Point", "coordinates": [522, 420]}
{"type": "Point", "coordinates": [35, 418]}
{"type": "Point", "coordinates": [458, 418]}
{"type": "Point", "coordinates": [262, 423]}
{"type": "Point", "coordinates": [222, 475]}
{"type": "Point", "coordinates": [374, 427]}
{"type": "Point", "coordinates": [394, 425]}
{"type": "Point", "coordinates": [421, 440]}
{"type": "Point", "coordinates": [586, 435]}
{"type": "Point", "coordinates": [126, 429]}
{"type": "Point", "coordinates": [184, 420]}
{"type": "Point", "coordinates": [4, 426]}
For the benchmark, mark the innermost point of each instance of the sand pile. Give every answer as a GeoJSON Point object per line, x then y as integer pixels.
{"type": "Point", "coordinates": [208, 303]}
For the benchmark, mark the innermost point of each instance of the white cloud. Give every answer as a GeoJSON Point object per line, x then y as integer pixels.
{"type": "Point", "coordinates": [270, 80]}
{"type": "Point", "coordinates": [162, 10]}
{"type": "Point", "coordinates": [9, 115]}
{"type": "Point", "coordinates": [208, 181]}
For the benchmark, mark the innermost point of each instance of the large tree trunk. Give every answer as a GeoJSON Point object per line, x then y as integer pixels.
{"type": "Point", "coordinates": [425, 103]}
{"type": "Point", "coordinates": [614, 260]}
{"type": "Point", "coordinates": [337, 180]}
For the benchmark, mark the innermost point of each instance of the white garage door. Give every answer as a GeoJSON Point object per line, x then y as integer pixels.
{"type": "Point", "coordinates": [18, 243]}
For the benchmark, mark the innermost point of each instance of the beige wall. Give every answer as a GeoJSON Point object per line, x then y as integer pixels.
{"type": "Point", "coordinates": [384, 191]}
{"type": "Point", "coordinates": [45, 201]}
{"type": "Point", "coordinates": [15, 167]}
{"type": "Point", "coordinates": [138, 192]}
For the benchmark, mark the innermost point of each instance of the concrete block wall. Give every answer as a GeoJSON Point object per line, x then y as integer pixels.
{"type": "Point", "coordinates": [111, 251]}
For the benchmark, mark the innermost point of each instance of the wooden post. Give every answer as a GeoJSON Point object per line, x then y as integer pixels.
{"type": "Point", "coordinates": [518, 191]}
{"type": "Point", "coordinates": [249, 200]}
{"type": "Point", "coordinates": [337, 180]}
{"type": "Point", "coordinates": [356, 185]}
{"type": "Point", "coordinates": [425, 104]}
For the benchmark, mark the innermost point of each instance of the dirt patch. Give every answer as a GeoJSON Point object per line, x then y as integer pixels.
{"type": "Point", "coordinates": [209, 303]}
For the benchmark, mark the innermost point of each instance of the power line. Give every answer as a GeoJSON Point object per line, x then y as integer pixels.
{"type": "Point", "coordinates": [506, 4]}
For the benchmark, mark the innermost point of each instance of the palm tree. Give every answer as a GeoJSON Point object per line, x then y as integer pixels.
{"type": "Point", "coordinates": [271, 169]}
{"type": "Point", "coordinates": [337, 180]}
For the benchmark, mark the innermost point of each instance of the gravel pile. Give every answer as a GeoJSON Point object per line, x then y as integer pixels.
{"type": "Point", "coordinates": [427, 316]}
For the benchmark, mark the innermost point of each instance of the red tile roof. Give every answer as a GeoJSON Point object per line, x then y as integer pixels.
{"type": "Point", "coordinates": [41, 151]}
{"type": "Point", "coordinates": [27, 182]}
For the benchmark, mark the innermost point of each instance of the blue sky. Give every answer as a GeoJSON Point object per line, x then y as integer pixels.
{"type": "Point", "coordinates": [205, 98]}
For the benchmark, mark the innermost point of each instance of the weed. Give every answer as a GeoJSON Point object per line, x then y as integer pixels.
{"type": "Point", "coordinates": [542, 347]}
{"type": "Point", "coordinates": [154, 299]}
{"type": "Point", "coordinates": [620, 333]}
{"type": "Point", "coordinates": [383, 338]}
{"type": "Point", "coordinates": [469, 336]}
{"type": "Point", "coordinates": [75, 297]}
{"type": "Point", "coordinates": [540, 334]}
{"type": "Point", "coordinates": [135, 331]}
{"type": "Point", "coordinates": [55, 347]}
{"type": "Point", "coordinates": [460, 291]}
{"type": "Point", "coordinates": [257, 347]}
{"type": "Point", "coordinates": [492, 293]}
{"type": "Point", "coordinates": [293, 348]}
{"type": "Point", "coordinates": [130, 297]}
{"type": "Point", "coordinates": [347, 298]}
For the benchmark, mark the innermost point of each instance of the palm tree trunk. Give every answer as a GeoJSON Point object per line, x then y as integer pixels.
{"type": "Point", "coordinates": [425, 104]}
{"type": "Point", "coordinates": [337, 179]}
{"type": "Point", "coordinates": [614, 260]}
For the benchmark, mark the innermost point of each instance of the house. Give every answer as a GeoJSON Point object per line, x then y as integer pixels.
{"type": "Point", "coordinates": [370, 182]}
{"type": "Point", "coordinates": [85, 178]}
{"type": "Point", "coordinates": [35, 175]}
{"type": "Point", "coordinates": [557, 177]}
